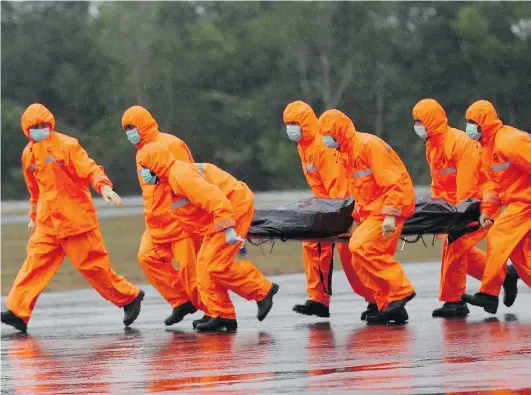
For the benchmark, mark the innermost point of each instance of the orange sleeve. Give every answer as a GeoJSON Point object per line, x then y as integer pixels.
{"type": "Point", "coordinates": [85, 167]}
{"type": "Point", "coordinates": [490, 203]}
{"type": "Point", "coordinates": [205, 195]}
{"type": "Point", "coordinates": [330, 172]}
{"type": "Point", "coordinates": [32, 186]}
{"type": "Point", "coordinates": [467, 179]}
{"type": "Point", "coordinates": [517, 149]}
{"type": "Point", "coordinates": [180, 151]}
{"type": "Point", "coordinates": [388, 175]}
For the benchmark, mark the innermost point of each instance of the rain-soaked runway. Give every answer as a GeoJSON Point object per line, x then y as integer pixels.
{"type": "Point", "coordinates": [77, 345]}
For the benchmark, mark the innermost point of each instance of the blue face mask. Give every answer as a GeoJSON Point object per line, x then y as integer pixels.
{"type": "Point", "coordinates": [133, 136]}
{"type": "Point", "coordinates": [330, 142]}
{"type": "Point", "coordinates": [472, 131]}
{"type": "Point", "coordinates": [294, 132]}
{"type": "Point", "coordinates": [149, 177]}
{"type": "Point", "coordinates": [421, 131]}
{"type": "Point", "coordinates": [39, 134]}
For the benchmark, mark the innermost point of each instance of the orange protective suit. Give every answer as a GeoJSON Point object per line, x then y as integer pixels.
{"type": "Point", "coordinates": [455, 176]}
{"type": "Point", "coordinates": [506, 158]}
{"type": "Point", "coordinates": [381, 186]}
{"type": "Point", "coordinates": [207, 200]}
{"type": "Point", "coordinates": [327, 179]}
{"type": "Point", "coordinates": [163, 238]}
{"type": "Point", "coordinates": [57, 171]}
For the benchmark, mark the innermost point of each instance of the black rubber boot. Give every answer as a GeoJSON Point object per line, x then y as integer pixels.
{"type": "Point", "coordinates": [451, 310]}
{"type": "Point", "coordinates": [510, 287]}
{"type": "Point", "coordinates": [216, 324]}
{"type": "Point", "coordinates": [202, 320]}
{"type": "Point", "coordinates": [312, 308]}
{"type": "Point", "coordinates": [265, 304]}
{"type": "Point", "coordinates": [395, 317]}
{"type": "Point", "coordinates": [179, 313]}
{"type": "Point", "coordinates": [397, 305]}
{"type": "Point", "coordinates": [488, 302]}
{"type": "Point", "coordinates": [9, 318]}
{"type": "Point", "coordinates": [372, 309]}
{"type": "Point", "coordinates": [132, 309]}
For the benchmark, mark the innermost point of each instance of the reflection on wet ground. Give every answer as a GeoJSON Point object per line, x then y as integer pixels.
{"type": "Point", "coordinates": [76, 345]}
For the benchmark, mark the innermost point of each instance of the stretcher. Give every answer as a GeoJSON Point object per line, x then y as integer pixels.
{"type": "Point", "coordinates": [328, 220]}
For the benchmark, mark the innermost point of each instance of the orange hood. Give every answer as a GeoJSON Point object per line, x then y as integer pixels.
{"type": "Point", "coordinates": [336, 124]}
{"type": "Point", "coordinates": [141, 118]}
{"type": "Point", "coordinates": [483, 113]}
{"type": "Point", "coordinates": [155, 157]}
{"type": "Point", "coordinates": [35, 114]}
{"type": "Point", "coordinates": [432, 115]}
{"type": "Point", "coordinates": [301, 113]}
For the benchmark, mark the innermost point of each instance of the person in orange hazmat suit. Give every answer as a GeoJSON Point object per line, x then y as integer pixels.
{"type": "Point", "coordinates": [63, 221]}
{"type": "Point", "coordinates": [212, 204]}
{"type": "Point", "coordinates": [163, 238]}
{"type": "Point", "coordinates": [385, 198]}
{"type": "Point", "coordinates": [506, 159]}
{"type": "Point", "coordinates": [455, 176]}
{"type": "Point", "coordinates": [327, 179]}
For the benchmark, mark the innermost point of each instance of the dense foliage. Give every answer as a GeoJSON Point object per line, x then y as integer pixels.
{"type": "Point", "coordinates": [219, 74]}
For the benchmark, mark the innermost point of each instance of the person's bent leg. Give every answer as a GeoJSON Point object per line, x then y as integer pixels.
{"type": "Point", "coordinates": [89, 256]}
{"type": "Point", "coordinates": [44, 257]}
{"type": "Point", "coordinates": [155, 261]}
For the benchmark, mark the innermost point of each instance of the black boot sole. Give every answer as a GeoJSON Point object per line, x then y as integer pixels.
{"type": "Point", "coordinates": [301, 309]}
{"type": "Point", "coordinates": [228, 326]}
{"type": "Point", "coordinates": [367, 313]}
{"type": "Point", "coordinates": [18, 325]}
{"type": "Point", "coordinates": [461, 313]}
{"type": "Point", "coordinates": [140, 297]}
{"type": "Point", "coordinates": [200, 321]}
{"type": "Point", "coordinates": [263, 314]}
{"type": "Point", "coordinates": [489, 307]}
{"type": "Point", "coordinates": [388, 320]}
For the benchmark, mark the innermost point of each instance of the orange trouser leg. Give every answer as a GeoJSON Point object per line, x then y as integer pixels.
{"type": "Point", "coordinates": [458, 259]}
{"type": "Point", "coordinates": [218, 272]}
{"type": "Point", "coordinates": [318, 265]}
{"type": "Point", "coordinates": [372, 257]}
{"type": "Point", "coordinates": [155, 261]}
{"type": "Point", "coordinates": [88, 255]}
{"type": "Point", "coordinates": [185, 253]}
{"type": "Point", "coordinates": [357, 286]}
{"type": "Point", "coordinates": [45, 256]}
{"type": "Point", "coordinates": [509, 229]}
{"type": "Point", "coordinates": [521, 258]}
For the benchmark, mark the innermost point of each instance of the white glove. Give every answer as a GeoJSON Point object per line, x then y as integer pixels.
{"type": "Point", "coordinates": [110, 196]}
{"type": "Point", "coordinates": [485, 221]}
{"type": "Point", "coordinates": [31, 227]}
{"type": "Point", "coordinates": [388, 225]}
{"type": "Point", "coordinates": [231, 237]}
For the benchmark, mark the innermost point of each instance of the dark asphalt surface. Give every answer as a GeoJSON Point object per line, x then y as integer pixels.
{"type": "Point", "coordinates": [77, 345]}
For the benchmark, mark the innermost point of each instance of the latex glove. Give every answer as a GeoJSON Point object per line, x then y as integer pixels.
{"type": "Point", "coordinates": [388, 225]}
{"type": "Point", "coordinates": [485, 221]}
{"type": "Point", "coordinates": [110, 196]}
{"type": "Point", "coordinates": [31, 227]}
{"type": "Point", "coordinates": [353, 227]}
{"type": "Point", "coordinates": [231, 237]}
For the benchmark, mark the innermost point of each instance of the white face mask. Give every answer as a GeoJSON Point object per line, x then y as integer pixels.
{"type": "Point", "coordinates": [330, 142]}
{"type": "Point", "coordinates": [421, 131]}
{"type": "Point", "coordinates": [39, 134]}
{"type": "Point", "coordinates": [472, 131]}
{"type": "Point", "coordinates": [294, 132]}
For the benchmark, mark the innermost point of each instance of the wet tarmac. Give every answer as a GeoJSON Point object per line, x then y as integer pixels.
{"type": "Point", "coordinates": [77, 345]}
